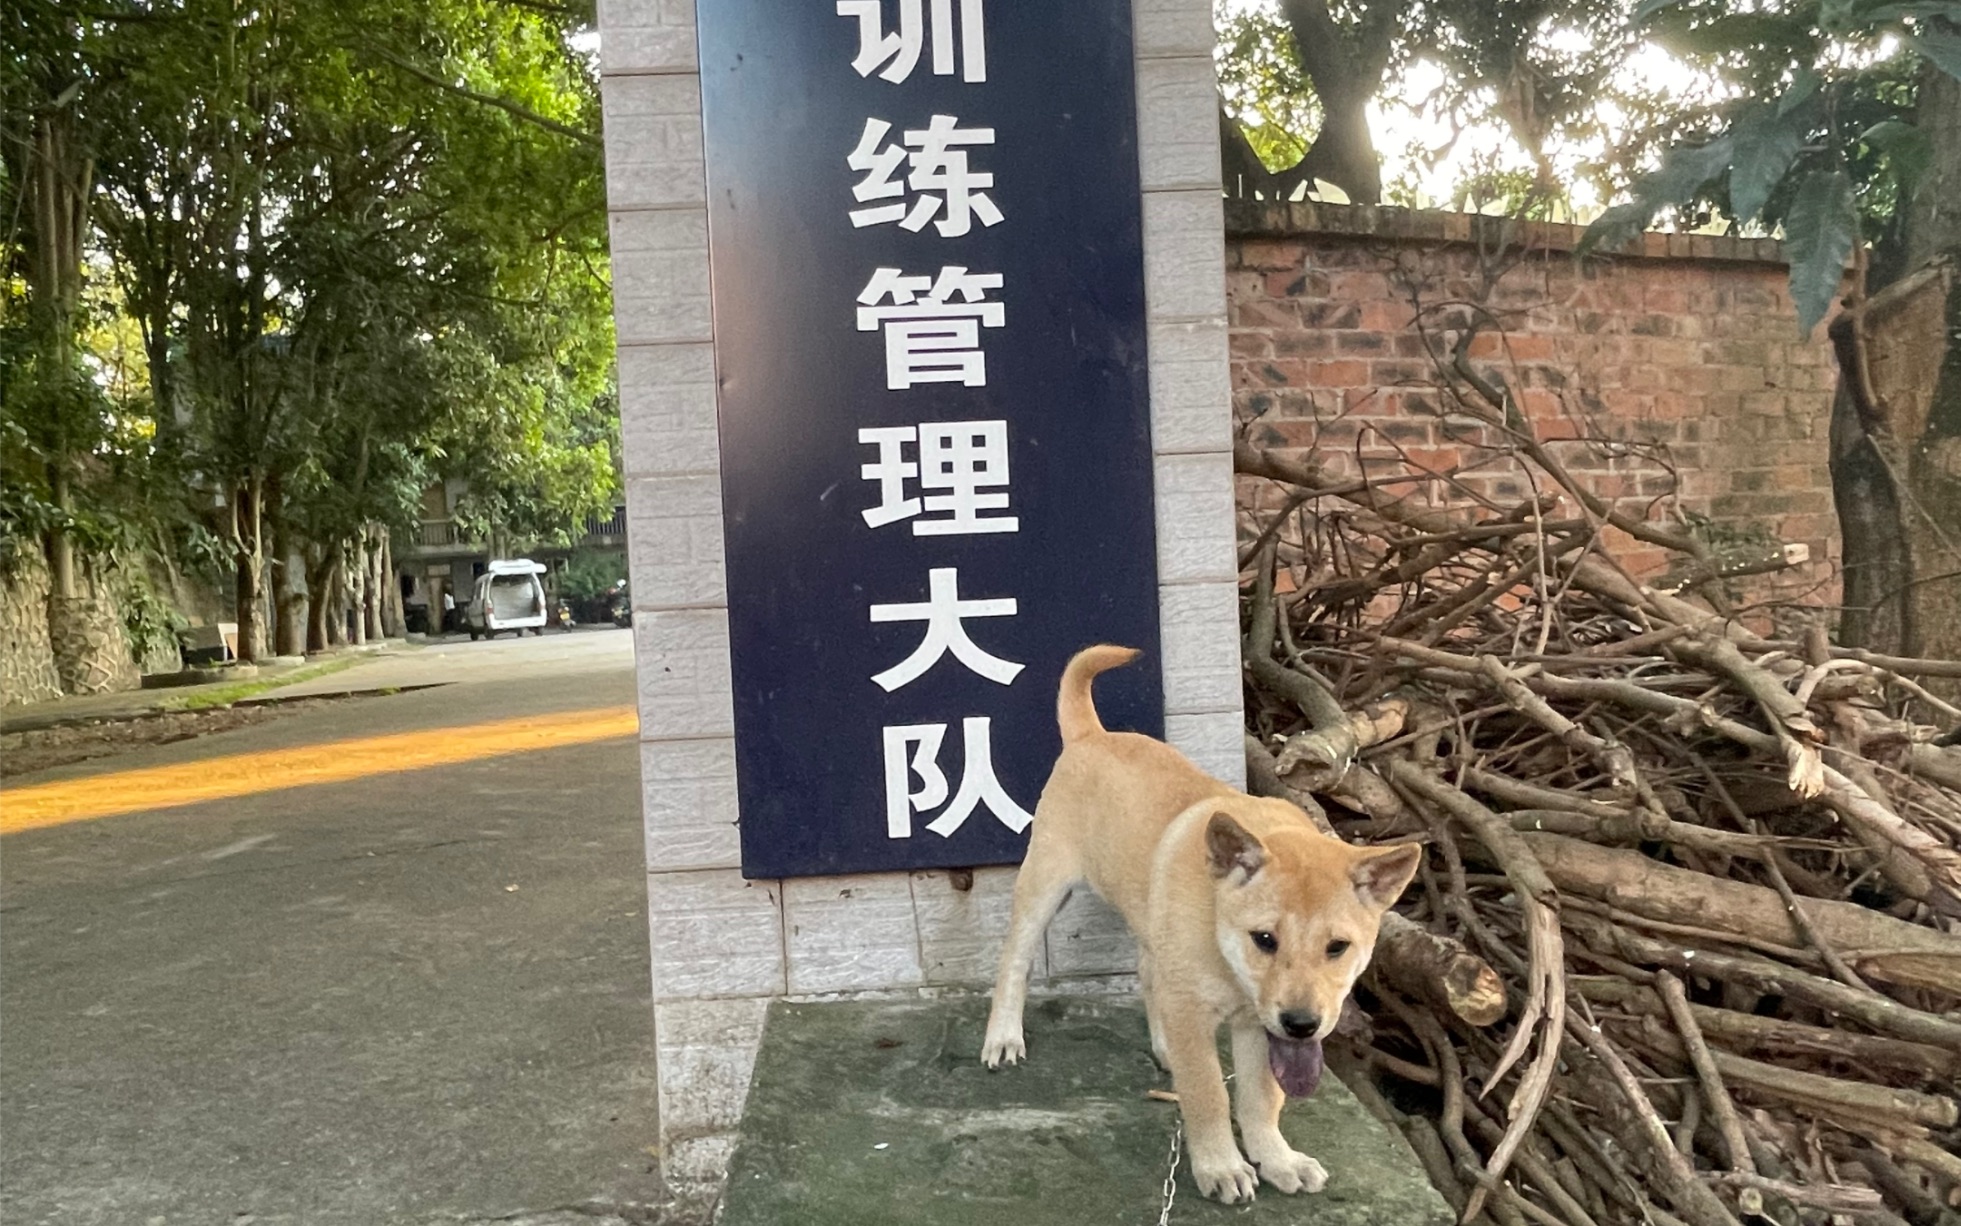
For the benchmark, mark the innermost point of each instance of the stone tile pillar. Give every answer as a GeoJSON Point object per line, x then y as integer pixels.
{"type": "Point", "coordinates": [722, 946]}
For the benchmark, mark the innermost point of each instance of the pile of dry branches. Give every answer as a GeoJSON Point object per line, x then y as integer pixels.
{"type": "Point", "coordinates": [1687, 944]}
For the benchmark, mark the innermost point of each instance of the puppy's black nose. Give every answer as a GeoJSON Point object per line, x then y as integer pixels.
{"type": "Point", "coordinates": [1299, 1024]}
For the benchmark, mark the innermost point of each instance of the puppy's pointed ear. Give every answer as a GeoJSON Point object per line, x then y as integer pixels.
{"type": "Point", "coordinates": [1229, 847]}
{"type": "Point", "coordinates": [1381, 873]}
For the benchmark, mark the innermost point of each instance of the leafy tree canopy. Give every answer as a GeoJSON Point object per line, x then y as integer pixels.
{"type": "Point", "coordinates": [358, 246]}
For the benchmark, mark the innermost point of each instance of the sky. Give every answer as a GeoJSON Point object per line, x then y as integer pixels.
{"type": "Point", "coordinates": [1404, 134]}
{"type": "Point", "coordinates": [1408, 138]}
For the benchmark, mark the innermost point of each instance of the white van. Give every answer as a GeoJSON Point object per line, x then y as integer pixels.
{"type": "Point", "coordinates": [508, 596]}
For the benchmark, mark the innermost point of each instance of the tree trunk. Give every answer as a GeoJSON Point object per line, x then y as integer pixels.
{"type": "Point", "coordinates": [337, 598]}
{"type": "Point", "coordinates": [288, 580]}
{"type": "Point", "coordinates": [1343, 151]}
{"type": "Point", "coordinates": [289, 596]}
{"type": "Point", "coordinates": [376, 592]}
{"type": "Point", "coordinates": [1344, 60]}
{"type": "Point", "coordinates": [59, 174]}
{"type": "Point", "coordinates": [357, 574]}
{"type": "Point", "coordinates": [319, 602]}
{"type": "Point", "coordinates": [250, 556]}
{"type": "Point", "coordinates": [393, 621]}
{"type": "Point", "coordinates": [1896, 421]}
{"type": "Point", "coordinates": [61, 550]}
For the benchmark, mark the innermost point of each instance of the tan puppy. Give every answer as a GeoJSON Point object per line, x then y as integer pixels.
{"type": "Point", "coordinates": [1243, 913]}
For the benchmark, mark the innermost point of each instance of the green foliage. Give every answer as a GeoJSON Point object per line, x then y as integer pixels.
{"type": "Point", "coordinates": [1820, 228]}
{"type": "Point", "coordinates": [1539, 66]}
{"type": "Point", "coordinates": [359, 247]}
{"type": "Point", "coordinates": [1507, 192]}
{"type": "Point", "coordinates": [149, 621]}
{"type": "Point", "coordinates": [1685, 171]}
{"type": "Point", "coordinates": [1264, 88]}
{"type": "Point", "coordinates": [591, 573]}
{"type": "Point", "coordinates": [1824, 144]}
{"type": "Point", "coordinates": [1767, 138]}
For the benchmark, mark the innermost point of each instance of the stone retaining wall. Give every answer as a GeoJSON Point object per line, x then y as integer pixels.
{"type": "Point", "coordinates": [27, 672]}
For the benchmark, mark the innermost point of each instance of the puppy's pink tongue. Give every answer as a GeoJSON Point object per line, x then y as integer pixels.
{"type": "Point", "coordinates": [1296, 1064]}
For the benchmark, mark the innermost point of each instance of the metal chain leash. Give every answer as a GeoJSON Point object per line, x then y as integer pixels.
{"type": "Point", "coordinates": [1171, 1171]}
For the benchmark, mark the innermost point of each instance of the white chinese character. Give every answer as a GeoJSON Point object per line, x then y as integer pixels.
{"type": "Point", "coordinates": [890, 470]}
{"type": "Point", "coordinates": [943, 612]}
{"type": "Point", "coordinates": [877, 165]}
{"type": "Point", "coordinates": [978, 784]}
{"type": "Point", "coordinates": [961, 456]}
{"type": "Point", "coordinates": [901, 802]}
{"type": "Point", "coordinates": [939, 164]}
{"type": "Point", "coordinates": [899, 50]}
{"type": "Point", "coordinates": [931, 339]}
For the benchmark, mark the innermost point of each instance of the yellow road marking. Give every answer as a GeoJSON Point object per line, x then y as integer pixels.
{"type": "Point", "coordinates": [163, 787]}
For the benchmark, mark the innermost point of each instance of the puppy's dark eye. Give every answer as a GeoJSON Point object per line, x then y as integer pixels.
{"type": "Point", "coordinates": [1337, 948]}
{"type": "Point", "coordinates": [1265, 942]}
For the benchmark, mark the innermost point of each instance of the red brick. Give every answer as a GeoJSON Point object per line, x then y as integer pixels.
{"type": "Point", "coordinates": [1265, 255]}
{"type": "Point", "coordinates": [1673, 406]}
{"type": "Point", "coordinates": [1358, 286]}
{"type": "Point", "coordinates": [1336, 374]}
{"type": "Point", "coordinates": [1386, 316]}
{"type": "Point", "coordinates": [1361, 342]}
{"type": "Point", "coordinates": [1646, 377]}
{"type": "Point", "coordinates": [1538, 404]}
{"type": "Point", "coordinates": [1526, 347]}
{"type": "Point", "coordinates": [1398, 372]}
{"type": "Point", "coordinates": [1261, 313]}
{"type": "Point", "coordinates": [1666, 298]}
{"type": "Point", "coordinates": [1303, 344]}
{"type": "Point", "coordinates": [1438, 459]}
{"type": "Point", "coordinates": [1242, 286]}
{"type": "Point", "coordinates": [1330, 314]}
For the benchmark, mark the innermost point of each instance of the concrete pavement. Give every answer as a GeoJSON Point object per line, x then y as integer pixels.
{"type": "Point", "coordinates": [409, 997]}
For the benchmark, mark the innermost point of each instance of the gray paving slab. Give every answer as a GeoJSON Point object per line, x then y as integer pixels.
{"type": "Point", "coordinates": [869, 1113]}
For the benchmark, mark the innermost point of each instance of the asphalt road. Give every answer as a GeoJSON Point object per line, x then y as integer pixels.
{"type": "Point", "coordinates": [408, 997]}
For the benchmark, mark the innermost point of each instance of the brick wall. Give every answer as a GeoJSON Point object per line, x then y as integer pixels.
{"type": "Point", "coordinates": [1673, 376]}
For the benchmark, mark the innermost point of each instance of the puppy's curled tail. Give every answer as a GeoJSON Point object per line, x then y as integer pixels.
{"type": "Point", "coordinates": [1075, 710]}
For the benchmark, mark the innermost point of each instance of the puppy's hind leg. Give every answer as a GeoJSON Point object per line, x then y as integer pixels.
{"type": "Point", "coordinates": [1047, 875]}
{"type": "Point", "coordinates": [1146, 987]}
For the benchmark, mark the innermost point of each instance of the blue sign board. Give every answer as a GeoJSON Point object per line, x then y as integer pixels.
{"type": "Point", "coordinates": [927, 266]}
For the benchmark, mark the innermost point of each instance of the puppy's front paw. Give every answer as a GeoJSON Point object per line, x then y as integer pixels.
{"type": "Point", "coordinates": [1287, 1169]}
{"type": "Point", "coordinates": [1003, 1048]}
{"type": "Point", "coordinates": [1231, 1181]}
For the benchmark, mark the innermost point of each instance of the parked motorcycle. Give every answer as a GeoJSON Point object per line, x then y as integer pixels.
{"type": "Point", "coordinates": [562, 614]}
{"type": "Point", "coordinates": [622, 605]}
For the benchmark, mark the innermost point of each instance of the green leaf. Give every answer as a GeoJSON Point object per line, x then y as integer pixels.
{"type": "Point", "coordinates": [1767, 142]}
{"type": "Point", "coordinates": [1687, 167]}
{"type": "Point", "coordinates": [1884, 13]}
{"type": "Point", "coordinates": [1648, 8]}
{"type": "Point", "coordinates": [1614, 227]}
{"type": "Point", "coordinates": [1684, 171]}
{"type": "Point", "coordinates": [1939, 47]}
{"type": "Point", "coordinates": [1804, 85]}
{"type": "Point", "coordinates": [1819, 231]}
{"type": "Point", "coordinates": [1906, 147]}
{"type": "Point", "coordinates": [1731, 34]}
